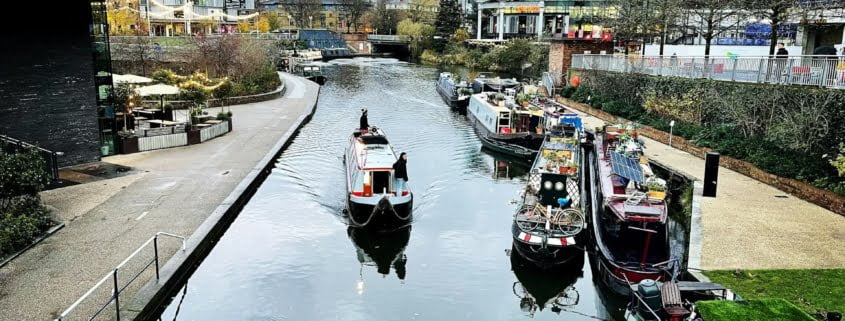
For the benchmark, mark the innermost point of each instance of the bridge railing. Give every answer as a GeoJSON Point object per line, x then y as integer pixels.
{"type": "Point", "coordinates": [822, 71]}
{"type": "Point", "coordinates": [392, 38]}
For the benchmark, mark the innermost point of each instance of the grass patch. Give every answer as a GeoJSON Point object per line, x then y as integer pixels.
{"type": "Point", "coordinates": [813, 291]}
{"type": "Point", "coordinates": [751, 310]}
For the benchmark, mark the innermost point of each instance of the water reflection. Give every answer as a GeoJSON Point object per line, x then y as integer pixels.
{"type": "Point", "coordinates": [382, 250]}
{"type": "Point", "coordinates": [552, 288]}
{"type": "Point", "coordinates": [507, 167]}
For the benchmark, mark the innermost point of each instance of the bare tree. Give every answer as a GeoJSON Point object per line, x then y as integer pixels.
{"type": "Point", "coordinates": [423, 10]}
{"type": "Point", "coordinates": [716, 16]}
{"type": "Point", "coordinates": [666, 14]}
{"type": "Point", "coordinates": [384, 20]}
{"type": "Point", "coordinates": [141, 47]}
{"type": "Point", "coordinates": [303, 11]}
{"type": "Point", "coordinates": [634, 21]}
{"type": "Point", "coordinates": [354, 10]}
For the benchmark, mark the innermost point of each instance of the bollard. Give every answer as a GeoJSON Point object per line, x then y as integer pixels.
{"type": "Point", "coordinates": [711, 174]}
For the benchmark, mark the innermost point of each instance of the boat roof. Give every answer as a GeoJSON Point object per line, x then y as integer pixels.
{"type": "Point", "coordinates": [626, 167]}
{"type": "Point", "coordinates": [483, 98]}
{"type": "Point", "coordinates": [373, 151]}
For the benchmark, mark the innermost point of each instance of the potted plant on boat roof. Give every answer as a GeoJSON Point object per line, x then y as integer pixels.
{"type": "Point", "coordinates": [500, 99]}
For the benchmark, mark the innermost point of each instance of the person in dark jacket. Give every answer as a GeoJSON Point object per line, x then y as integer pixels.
{"type": "Point", "coordinates": [400, 172]}
{"type": "Point", "coordinates": [364, 124]}
{"type": "Point", "coordinates": [780, 60]}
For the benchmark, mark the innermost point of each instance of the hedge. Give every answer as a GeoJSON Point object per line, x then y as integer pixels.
{"type": "Point", "coordinates": [22, 216]}
{"type": "Point", "coordinates": [788, 131]}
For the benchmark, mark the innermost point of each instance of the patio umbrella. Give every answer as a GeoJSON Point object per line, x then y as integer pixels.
{"type": "Point", "coordinates": [130, 79]}
{"type": "Point", "coordinates": [157, 90]}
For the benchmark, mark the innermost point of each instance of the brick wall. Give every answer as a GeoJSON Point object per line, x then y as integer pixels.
{"type": "Point", "coordinates": [561, 51]}
{"type": "Point", "coordinates": [47, 93]}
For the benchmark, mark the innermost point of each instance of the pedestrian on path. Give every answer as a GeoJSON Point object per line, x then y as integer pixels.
{"type": "Point", "coordinates": [363, 125]}
{"type": "Point", "coordinates": [400, 173]}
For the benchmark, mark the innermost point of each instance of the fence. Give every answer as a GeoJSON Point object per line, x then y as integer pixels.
{"type": "Point", "coordinates": [51, 163]}
{"type": "Point", "coordinates": [391, 38]}
{"type": "Point", "coordinates": [550, 82]}
{"type": "Point", "coordinates": [214, 131]}
{"type": "Point", "coordinates": [162, 141]}
{"type": "Point", "coordinates": [822, 71]}
{"type": "Point", "coordinates": [116, 287]}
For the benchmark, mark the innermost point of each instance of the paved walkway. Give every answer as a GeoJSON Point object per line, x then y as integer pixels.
{"type": "Point", "coordinates": [751, 225]}
{"type": "Point", "coordinates": [174, 191]}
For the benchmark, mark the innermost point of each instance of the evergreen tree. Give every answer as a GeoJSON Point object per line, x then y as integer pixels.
{"type": "Point", "coordinates": [448, 20]}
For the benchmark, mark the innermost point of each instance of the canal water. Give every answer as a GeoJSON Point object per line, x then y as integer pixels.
{"type": "Point", "coordinates": [290, 255]}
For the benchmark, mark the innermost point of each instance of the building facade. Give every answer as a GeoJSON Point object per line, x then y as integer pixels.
{"type": "Point", "coordinates": [185, 17]}
{"type": "Point", "coordinates": [54, 94]}
{"type": "Point", "coordinates": [501, 20]}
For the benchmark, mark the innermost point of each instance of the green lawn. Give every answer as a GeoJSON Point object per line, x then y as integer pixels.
{"type": "Point", "coordinates": [751, 310]}
{"type": "Point", "coordinates": [810, 290]}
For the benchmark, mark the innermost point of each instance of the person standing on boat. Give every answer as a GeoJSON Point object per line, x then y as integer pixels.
{"type": "Point", "coordinates": [364, 124]}
{"type": "Point", "coordinates": [400, 172]}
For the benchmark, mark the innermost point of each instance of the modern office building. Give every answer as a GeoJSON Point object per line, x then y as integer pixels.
{"type": "Point", "coordinates": [566, 19]}
{"type": "Point", "coordinates": [180, 17]}
{"type": "Point", "coordinates": [55, 78]}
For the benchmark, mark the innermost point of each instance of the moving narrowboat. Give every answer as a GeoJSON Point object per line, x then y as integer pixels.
{"type": "Point", "coordinates": [372, 195]}
{"type": "Point", "coordinates": [629, 212]}
{"type": "Point", "coordinates": [549, 226]}
{"type": "Point", "coordinates": [454, 93]}
{"type": "Point", "coordinates": [504, 126]}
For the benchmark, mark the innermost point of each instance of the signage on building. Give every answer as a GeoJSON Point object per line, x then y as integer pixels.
{"type": "Point", "coordinates": [527, 9]}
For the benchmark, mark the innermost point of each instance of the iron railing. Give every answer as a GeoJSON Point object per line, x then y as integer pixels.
{"type": "Point", "coordinates": [51, 162]}
{"type": "Point", "coordinates": [116, 287]}
{"type": "Point", "coordinates": [822, 71]}
{"type": "Point", "coordinates": [391, 38]}
{"type": "Point", "coordinates": [550, 81]}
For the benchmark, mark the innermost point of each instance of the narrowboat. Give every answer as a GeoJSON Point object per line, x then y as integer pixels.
{"type": "Point", "coordinates": [629, 212]}
{"type": "Point", "coordinates": [486, 82]}
{"type": "Point", "coordinates": [538, 289]}
{"type": "Point", "coordinates": [504, 126]}
{"type": "Point", "coordinates": [454, 93]}
{"type": "Point", "coordinates": [549, 225]}
{"type": "Point", "coordinates": [372, 195]}
{"type": "Point", "coordinates": [384, 250]}
{"type": "Point", "coordinates": [309, 71]}
{"type": "Point", "coordinates": [672, 300]}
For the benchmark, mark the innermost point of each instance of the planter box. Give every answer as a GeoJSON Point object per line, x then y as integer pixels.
{"type": "Point", "coordinates": [129, 145]}
{"type": "Point", "coordinates": [193, 137]}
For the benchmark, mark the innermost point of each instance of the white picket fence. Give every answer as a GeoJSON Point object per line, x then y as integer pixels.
{"type": "Point", "coordinates": [214, 131]}
{"type": "Point", "coordinates": [162, 141]}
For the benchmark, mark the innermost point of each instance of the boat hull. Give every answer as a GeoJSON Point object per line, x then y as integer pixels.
{"type": "Point", "coordinates": [519, 145]}
{"type": "Point", "coordinates": [453, 101]}
{"type": "Point", "coordinates": [379, 217]}
{"type": "Point", "coordinates": [546, 256]}
{"type": "Point", "coordinates": [320, 80]}
{"type": "Point", "coordinates": [617, 275]}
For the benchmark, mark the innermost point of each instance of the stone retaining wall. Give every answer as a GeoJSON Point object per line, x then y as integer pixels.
{"type": "Point", "coordinates": [826, 199]}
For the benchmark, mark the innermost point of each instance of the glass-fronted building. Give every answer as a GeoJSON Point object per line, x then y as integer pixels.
{"type": "Point", "coordinates": [567, 19]}
{"type": "Point", "coordinates": [106, 115]}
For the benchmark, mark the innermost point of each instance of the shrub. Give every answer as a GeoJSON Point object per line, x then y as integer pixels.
{"type": "Point", "coordinates": [165, 76]}
{"type": "Point", "coordinates": [22, 217]}
{"type": "Point", "coordinates": [761, 124]}
{"type": "Point", "coordinates": [567, 91]}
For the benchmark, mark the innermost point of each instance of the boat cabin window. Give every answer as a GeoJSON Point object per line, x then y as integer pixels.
{"type": "Point", "coordinates": [504, 119]}
{"type": "Point", "coordinates": [381, 182]}
{"type": "Point", "coordinates": [373, 140]}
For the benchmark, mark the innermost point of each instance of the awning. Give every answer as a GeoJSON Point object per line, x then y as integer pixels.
{"type": "Point", "coordinates": [156, 90]}
{"type": "Point", "coordinates": [130, 79]}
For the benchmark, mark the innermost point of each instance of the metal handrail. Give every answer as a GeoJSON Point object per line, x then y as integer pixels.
{"type": "Point", "coordinates": [113, 274]}
{"type": "Point", "coordinates": [810, 70]}
{"type": "Point", "coordinates": [636, 295]}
